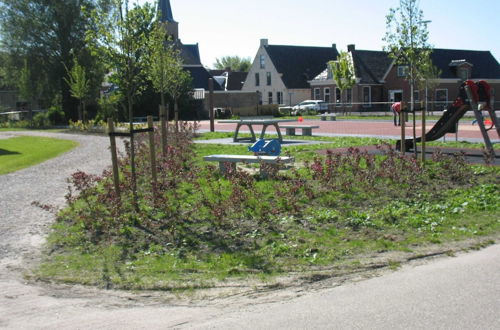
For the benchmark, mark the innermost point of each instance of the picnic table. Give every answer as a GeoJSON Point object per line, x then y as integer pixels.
{"type": "Point", "coordinates": [250, 122]}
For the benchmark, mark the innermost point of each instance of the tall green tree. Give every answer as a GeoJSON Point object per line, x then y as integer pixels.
{"type": "Point", "coordinates": [121, 40]}
{"type": "Point", "coordinates": [47, 34]}
{"type": "Point", "coordinates": [407, 39]}
{"type": "Point", "coordinates": [235, 63]}
{"type": "Point", "coordinates": [343, 73]}
{"type": "Point", "coordinates": [79, 86]}
{"type": "Point", "coordinates": [168, 77]}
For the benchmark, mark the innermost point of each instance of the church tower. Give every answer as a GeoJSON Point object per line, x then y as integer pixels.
{"type": "Point", "coordinates": [165, 11]}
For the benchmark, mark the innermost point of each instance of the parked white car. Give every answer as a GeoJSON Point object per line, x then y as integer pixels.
{"type": "Point", "coordinates": [307, 105]}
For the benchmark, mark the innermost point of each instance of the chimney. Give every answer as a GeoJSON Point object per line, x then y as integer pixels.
{"type": "Point", "coordinates": [264, 42]}
{"type": "Point", "coordinates": [351, 48]}
{"type": "Point", "coordinates": [334, 46]}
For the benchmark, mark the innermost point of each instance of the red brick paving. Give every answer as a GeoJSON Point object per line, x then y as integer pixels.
{"type": "Point", "coordinates": [365, 127]}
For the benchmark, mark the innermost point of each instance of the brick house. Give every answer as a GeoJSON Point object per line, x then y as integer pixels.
{"type": "Point", "coordinates": [455, 66]}
{"type": "Point", "coordinates": [370, 68]}
{"type": "Point", "coordinates": [280, 74]}
{"type": "Point", "coordinates": [379, 81]}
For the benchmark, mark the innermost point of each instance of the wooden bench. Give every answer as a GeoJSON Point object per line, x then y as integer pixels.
{"type": "Point", "coordinates": [306, 129]}
{"type": "Point", "coordinates": [329, 116]}
{"type": "Point", "coordinates": [228, 162]}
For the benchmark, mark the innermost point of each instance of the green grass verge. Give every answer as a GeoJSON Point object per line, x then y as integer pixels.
{"type": "Point", "coordinates": [24, 151]}
{"type": "Point", "coordinates": [337, 227]}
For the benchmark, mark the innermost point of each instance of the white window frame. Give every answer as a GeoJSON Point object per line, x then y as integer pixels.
{"type": "Point", "coordinates": [418, 95]}
{"type": "Point", "coordinates": [348, 97]}
{"type": "Point", "coordinates": [279, 97]}
{"type": "Point", "coordinates": [338, 101]}
{"type": "Point", "coordinates": [317, 94]}
{"type": "Point", "coordinates": [369, 103]}
{"type": "Point", "coordinates": [326, 92]}
{"type": "Point", "coordinates": [402, 70]}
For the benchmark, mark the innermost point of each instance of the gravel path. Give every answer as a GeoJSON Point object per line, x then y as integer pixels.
{"type": "Point", "coordinates": [23, 226]}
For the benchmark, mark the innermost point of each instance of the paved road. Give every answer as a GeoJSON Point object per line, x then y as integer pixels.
{"type": "Point", "coordinates": [449, 293]}
{"type": "Point", "coordinates": [454, 293]}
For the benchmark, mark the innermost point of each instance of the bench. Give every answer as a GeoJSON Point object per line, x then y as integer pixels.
{"type": "Point", "coordinates": [329, 116]}
{"type": "Point", "coordinates": [228, 162]}
{"type": "Point", "coordinates": [306, 129]}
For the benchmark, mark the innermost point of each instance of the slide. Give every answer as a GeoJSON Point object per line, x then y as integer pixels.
{"type": "Point", "coordinates": [480, 92]}
{"type": "Point", "coordinates": [446, 124]}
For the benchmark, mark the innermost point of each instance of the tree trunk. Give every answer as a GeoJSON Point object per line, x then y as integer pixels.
{"type": "Point", "coordinates": [176, 111]}
{"type": "Point", "coordinates": [132, 151]}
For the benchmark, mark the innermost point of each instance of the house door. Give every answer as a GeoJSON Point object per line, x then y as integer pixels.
{"type": "Point", "coordinates": [395, 96]}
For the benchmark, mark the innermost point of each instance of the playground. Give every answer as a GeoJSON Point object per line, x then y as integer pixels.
{"type": "Point", "coordinates": [470, 118]}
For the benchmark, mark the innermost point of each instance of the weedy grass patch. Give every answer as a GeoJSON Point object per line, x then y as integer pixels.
{"type": "Point", "coordinates": [200, 227]}
{"type": "Point", "coordinates": [24, 151]}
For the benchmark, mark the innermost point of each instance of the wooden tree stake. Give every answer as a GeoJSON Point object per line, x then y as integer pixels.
{"type": "Point", "coordinates": [114, 158]}
{"type": "Point", "coordinates": [152, 152]}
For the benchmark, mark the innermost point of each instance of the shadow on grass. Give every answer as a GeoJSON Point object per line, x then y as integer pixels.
{"type": "Point", "coordinates": [4, 152]}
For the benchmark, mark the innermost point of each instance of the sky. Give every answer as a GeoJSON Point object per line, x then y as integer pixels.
{"type": "Point", "coordinates": [235, 27]}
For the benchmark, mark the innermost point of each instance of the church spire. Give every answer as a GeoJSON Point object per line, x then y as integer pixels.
{"type": "Point", "coordinates": [165, 11]}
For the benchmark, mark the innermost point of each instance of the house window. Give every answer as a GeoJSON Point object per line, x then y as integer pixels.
{"type": "Point", "coordinates": [338, 96]}
{"type": "Point", "coordinates": [367, 96]}
{"type": "Point", "coordinates": [317, 95]}
{"type": "Point", "coordinates": [441, 97]}
{"type": "Point", "coordinates": [268, 76]}
{"type": "Point", "coordinates": [270, 97]}
{"type": "Point", "coordinates": [463, 73]}
{"type": "Point", "coordinates": [349, 96]}
{"type": "Point", "coordinates": [416, 96]}
{"type": "Point", "coordinates": [327, 95]}
{"type": "Point", "coordinates": [262, 60]}
{"type": "Point", "coordinates": [402, 71]}
{"type": "Point", "coordinates": [257, 79]}
{"type": "Point", "coordinates": [279, 97]}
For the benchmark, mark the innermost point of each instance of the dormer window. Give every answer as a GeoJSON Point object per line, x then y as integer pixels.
{"type": "Point", "coordinates": [402, 71]}
{"type": "Point", "coordinates": [463, 73]}
{"type": "Point", "coordinates": [462, 68]}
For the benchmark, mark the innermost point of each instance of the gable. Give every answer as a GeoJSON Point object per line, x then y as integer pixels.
{"type": "Point", "coordinates": [298, 64]}
{"type": "Point", "coordinates": [370, 66]}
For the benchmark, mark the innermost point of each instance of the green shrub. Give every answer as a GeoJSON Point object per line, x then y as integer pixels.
{"type": "Point", "coordinates": [56, 116]}
{"type": "Point", "coordinates": [41, 120]}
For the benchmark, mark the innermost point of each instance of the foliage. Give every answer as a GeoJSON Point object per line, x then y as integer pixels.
{"type": "Point", "coordinates": [47, 34]}
{"type": "Point", "coordinates": [79, 85]}
{"type": "Point", "coordinates": [119, 39]}
{"type": "Point", "coordinates": [165, 66]}
{"type": "Point", "coordinates": [108, 107]}
{"type": "Point", "coordinates": [234, 63]}
{"type": "Point", "coordinates": [197, 222]}
{"type": "Point", "coordinates": [343, 71]}
{"type": "Point", "coordinates": [407, 39]}
{"type": "Point", "coordinates": [25, 151]}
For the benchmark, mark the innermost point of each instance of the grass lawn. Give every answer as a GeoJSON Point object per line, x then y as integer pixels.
{"type": "Point", "coordinates": [24, 151]}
